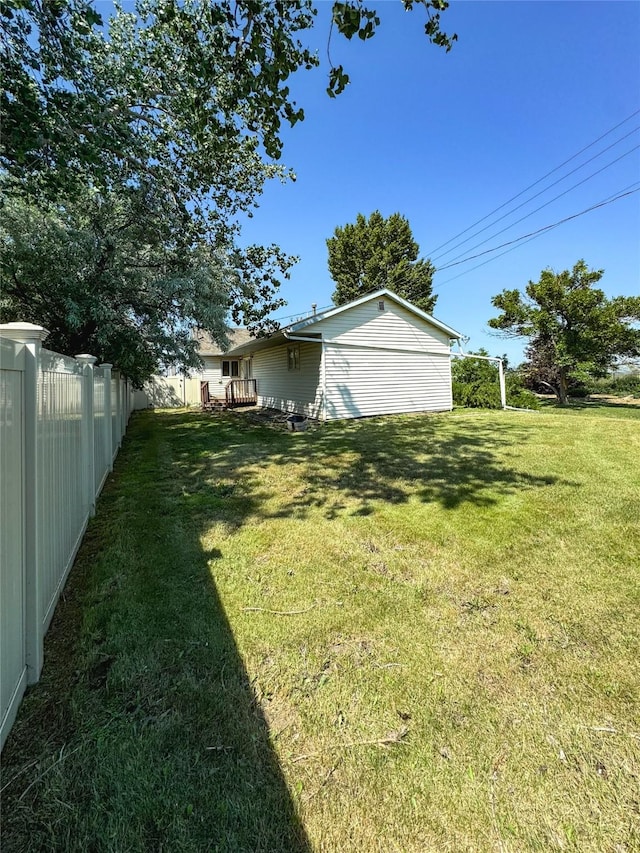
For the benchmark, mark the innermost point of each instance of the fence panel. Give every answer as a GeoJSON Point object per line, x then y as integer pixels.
{"type": "Point", "coordinates": [61, 423]}
{"type": "Point", "coordinates": [115, 432]}
{"type": "Point", "coordinates": [13, 660]}
{"type": "Point", "coordinates": [101, 463]}
{"type": "Point", "coordinates": [62, 508]}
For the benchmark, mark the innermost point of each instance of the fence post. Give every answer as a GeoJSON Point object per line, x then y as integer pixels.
{"type": "Point", "coordinates": [32, 337]}
{"type": "Point", "coordinates": [88, 431]}
{"type": "Point", "coordinates": [108, 419]}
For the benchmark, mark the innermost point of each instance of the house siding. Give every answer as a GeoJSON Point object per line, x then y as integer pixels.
{"type": "Point", "coordinates": [296, 391]}
{"type": "Point", "coordinates": [212, 373]}
{"type": "Point", "coordinates": [395, 327]}
{"type": "Point", "coordinates": [362, 382]}
{"type": "Point", "coordinates": [384, 362]}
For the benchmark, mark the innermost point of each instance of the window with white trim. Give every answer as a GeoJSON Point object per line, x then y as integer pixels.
{"type": "Point", "coordinates": [230, 367]}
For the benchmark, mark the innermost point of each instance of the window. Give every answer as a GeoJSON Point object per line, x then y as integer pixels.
{"type": "Point", "coordinates": [381, 305]}
{"type": "Point", "coordinates": [230, 368]}
{"type": "Point", "coordinates": [293, 357]}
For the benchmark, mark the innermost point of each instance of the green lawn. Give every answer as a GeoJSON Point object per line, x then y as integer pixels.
{"type": "Point", "coordinates": [412, 633]}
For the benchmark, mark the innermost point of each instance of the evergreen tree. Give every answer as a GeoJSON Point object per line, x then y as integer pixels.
{"type": "Point", "coordinates": [376, 252]}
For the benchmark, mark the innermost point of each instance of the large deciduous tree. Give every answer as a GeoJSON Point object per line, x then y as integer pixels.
{"type": "Point", "coordinates": [133, 147]}
{"type": "Point", "coordinates": [377, 252]}
{"type": "Point", "coordinates": [574, 330]}
{"type": "Point", "coordinates": [115, 276]}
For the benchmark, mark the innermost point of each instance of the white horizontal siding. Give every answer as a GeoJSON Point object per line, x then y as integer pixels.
{"type": "Point", "coordinates": [362, 382]}
{"type": "Point", "coordinates": [212, 373]}
{"type": "Point", "coordinates": [395, 327]}
{"type": "Point", "coordinates": [297, 391]}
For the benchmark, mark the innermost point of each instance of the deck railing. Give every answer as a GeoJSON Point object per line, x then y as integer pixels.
{"type": "Point", "coordinates": [241, 392]}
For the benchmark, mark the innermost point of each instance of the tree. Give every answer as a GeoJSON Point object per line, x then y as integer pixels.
{"type": "Point", "coordinates": [48, 48]}
{"type": "Point", "coordinates": [136, 148]}
{"type": "Point", "coordinates": [112, 276]}
{"type": "Point", "coordinates": [195, 81]}
{"type": "Point", "coordinates": [574, 330]}
{"type": "Point", "coordinates": [377, 252]}
{"type": "Point", "coordinates": [476, 384]}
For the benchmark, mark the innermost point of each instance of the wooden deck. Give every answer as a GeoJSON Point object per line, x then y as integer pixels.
{"type": "Point", "coordinates": [238, 392]}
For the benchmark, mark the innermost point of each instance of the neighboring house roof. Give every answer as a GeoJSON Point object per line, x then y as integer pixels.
{"type": "Point", "coordinates": [206, 346]}
{"type": "Point", "coordinates": [307, 323]}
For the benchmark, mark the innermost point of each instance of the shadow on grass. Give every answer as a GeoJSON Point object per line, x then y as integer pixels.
{"type": "Point", "coordinates": [144, 733]}
{"type": "Point", "coordinates": [579, 404]}
{"type": "Point", "coordinates": [346, 467]}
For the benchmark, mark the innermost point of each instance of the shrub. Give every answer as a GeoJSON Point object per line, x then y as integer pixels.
{"type": "Point", "coordinates": [623, 385]}
{"type": "Point", "coordinates": [476, 385]}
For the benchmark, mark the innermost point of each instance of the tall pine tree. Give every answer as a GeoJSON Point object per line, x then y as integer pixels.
{"type": "Point", "coordinates": [376, 252]}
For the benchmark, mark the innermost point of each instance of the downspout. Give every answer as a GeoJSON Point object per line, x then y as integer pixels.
{"type": "Point", "coordinates": [323, 380]}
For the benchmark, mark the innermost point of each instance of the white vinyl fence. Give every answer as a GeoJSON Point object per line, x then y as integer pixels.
{"type": "Point", "coordinates": [61, 424]}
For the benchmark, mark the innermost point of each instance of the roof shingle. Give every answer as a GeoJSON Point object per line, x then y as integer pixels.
{"type": "Point", "coordinates": [208, 347]}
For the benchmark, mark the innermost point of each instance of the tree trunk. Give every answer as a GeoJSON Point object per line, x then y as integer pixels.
{"type": "Point", "coordinates": [563, 387]}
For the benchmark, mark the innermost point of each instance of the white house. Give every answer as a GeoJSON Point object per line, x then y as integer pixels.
{"type": "Point", "coordinates": [376, 355]}
{"type": "Point", "coordinates": [219, 367]}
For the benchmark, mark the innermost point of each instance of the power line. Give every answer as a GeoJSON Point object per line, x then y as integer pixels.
{"type": "Point", "coordinates": [301, 315]}
{"type": "Point", "coordinates": [536, 195]}
{"type": "Point", "coordinates": [527, 238]}
{"type": "Point", "coordinates": [540, 230]}
{"type": "Point", "coordinates": [535, 183]}
{"type": "Point", "coordinates": [546, 204]}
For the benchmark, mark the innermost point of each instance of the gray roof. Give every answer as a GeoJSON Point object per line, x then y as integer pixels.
{"type": "Point", "coordinates": [206, 346]}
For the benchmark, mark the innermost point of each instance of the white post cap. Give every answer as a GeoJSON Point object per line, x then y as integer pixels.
{"type": "Point", "coordinates": [86, 359]}
{"type": "Point", "coordinates": [23, 332]}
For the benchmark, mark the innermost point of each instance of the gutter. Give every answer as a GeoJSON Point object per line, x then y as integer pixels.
{"type": "Point", "coordinates": [302, 338]}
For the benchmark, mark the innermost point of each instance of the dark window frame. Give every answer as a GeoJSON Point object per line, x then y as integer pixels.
{"type": "Point", "coordinates": [293, 357]}
{"type": "Point", "coordinates": [231, 368]}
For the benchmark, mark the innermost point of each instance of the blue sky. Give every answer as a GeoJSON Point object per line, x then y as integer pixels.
{"type": "Point", "coordinates": [444, 139]}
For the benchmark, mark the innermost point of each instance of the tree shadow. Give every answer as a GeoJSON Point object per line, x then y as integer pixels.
{"type": "Point", "coordinates": [580, 404]}
{"type": "Point", "coordinates": [145, 723]}
{"type": "Point", "coordinates": [346, 467]}
{"type": "Point", "coordinates": [145, 699]}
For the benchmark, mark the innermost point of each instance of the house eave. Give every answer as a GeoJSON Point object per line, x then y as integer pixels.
{"type": "Point", "coordinates": [288, 332]}
{"type": "Point", "coordinates": [377, 294]}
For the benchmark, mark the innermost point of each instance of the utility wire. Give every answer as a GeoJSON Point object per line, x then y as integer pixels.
{"type": "Point", "coordinates": [540, 230]}
{"type": "Point", "coordinates": [535, 183]}
{"type": "Point", "coordinates": [527, 238]}
{"type": "Point", "coordinates": [546, 204]}
{"type": "Point", "coordinates": [301, 315]}
{"type": "Point", "coordinates": [541, 192]}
